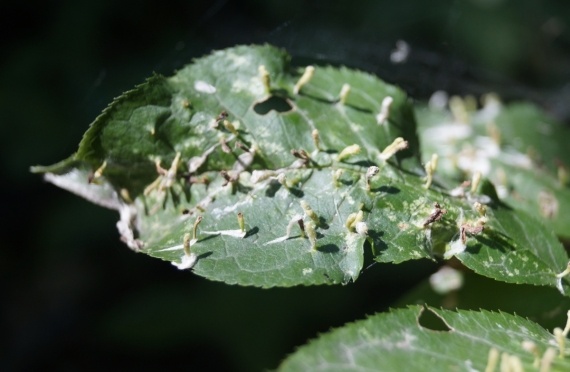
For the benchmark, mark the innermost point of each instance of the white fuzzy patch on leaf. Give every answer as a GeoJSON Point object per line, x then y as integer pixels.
{"type": "Point", "coordinates": [235, 233]}
{"type": "Point", "coordinates": [187, 261]}
{"type": "Point", "coordinates": [177, 247]}
{"type": "Point", "coordinates": [203, 87]}
{"type": "Point", "coordinates": [455, 247]}
{"type": "Point", "coordinates": [278, 240]}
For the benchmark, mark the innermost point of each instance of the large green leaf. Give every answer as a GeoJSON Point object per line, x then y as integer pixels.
{"type": "Point", "coordinates": [404, 339]}
{"type": "Point", "coordinates": [280, 175]}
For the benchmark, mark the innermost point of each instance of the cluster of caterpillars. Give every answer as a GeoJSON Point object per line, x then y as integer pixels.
{"type": "Point", "coordinates": [303, 159]}
{"type": "Point", "coordinates": [308, 228]}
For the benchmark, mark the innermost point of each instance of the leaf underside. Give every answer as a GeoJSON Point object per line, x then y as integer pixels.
{"type": "Point", "coordinates": [235, 141]}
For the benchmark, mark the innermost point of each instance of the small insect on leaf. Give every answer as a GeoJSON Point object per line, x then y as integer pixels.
{"type": "Point", "coordinates": [307, 76]}
{"type": "Point", "coordinates": [344, 91]}
{"type": "Point", "coordinates": [189, 258]}
{"type": "Point", "coordinates": [230, 127]}
{"type": "Point", "coordinates": [241, 221]}
{"type": "Point", "coordinates": [265, 78]}
{"type": "Point", "coordinates": [348, 152]}
{"type": "Point", "coordinates": [316, 139]}
{"type": "Point", "coordinates": [300, 154]}
{"type": "Point", "coordinates": [370, 173]}
{"type": "Point", "coordinates": [195, 228]}
{"type": "Point", "coordinates": [471, 230]}
{"type": "Point", "coordinates": [436, 215]}
{"type": "Point", "coordinates": [222, 116]}
{"type": "Point", "coordinates": [310, 230]}
{"type": "Point", "coordinates": [310, 212]}
{"type": "Point", "coordinates": [98, 173]}
{"type": "Point", "coordinates": [398, 145]}
{"type": "Point", "coordinates": [430, 168]}
{"type": "Point", "coordinates": [384, 114]}
{"type": "Point", "coordinates": [186, 244]}
{"type": "Point", "coordinates": [492, 360]}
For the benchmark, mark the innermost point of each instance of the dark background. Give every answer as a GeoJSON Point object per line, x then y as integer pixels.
{"type": "Point", "coordinates": [75, 298]}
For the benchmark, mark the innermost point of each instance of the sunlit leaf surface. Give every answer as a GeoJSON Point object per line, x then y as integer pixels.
{"type": "Point", "coordinates": [252, 172]}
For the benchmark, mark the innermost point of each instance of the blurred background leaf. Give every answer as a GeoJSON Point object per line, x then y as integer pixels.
{"type": "Point", "coordinates": [76, 298]}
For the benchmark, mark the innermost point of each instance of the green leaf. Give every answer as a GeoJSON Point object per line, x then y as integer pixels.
{"type": "Point", "coordinates": [182, 157]}
{"type": "Point", "coordinates": [542, 305]}
{"type": "Point", "coordinates": [513, 246]}
{"type": "Point", "coordinates": [404, 339]}
{"type": "Point", "coordinates": [517, 249]}
{"type": "Point", "coordinates": [522, 151]}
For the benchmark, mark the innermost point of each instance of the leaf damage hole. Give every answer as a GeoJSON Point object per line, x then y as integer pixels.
{"type": "Point", "coordinates": [276, 103]}
{"type": "Point", "coordinates": [430, 320]}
